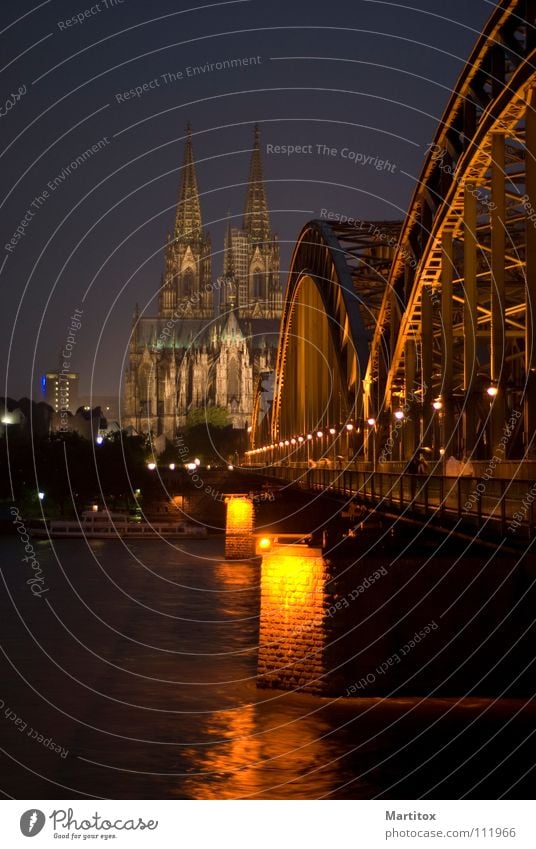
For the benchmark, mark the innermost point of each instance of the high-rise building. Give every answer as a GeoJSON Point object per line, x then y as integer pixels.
{"type": "Point", "coordinates": [60, 390]}
{"type": "Point", "coordinates": [192, 354]}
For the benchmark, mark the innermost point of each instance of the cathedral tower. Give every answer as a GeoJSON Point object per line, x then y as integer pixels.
{"type": "Point", "coordinates": [252, 253]}
{"type": "Point", "coordinates": [185, 358]}
{"type": "Point", "coordinates": [187, 281]}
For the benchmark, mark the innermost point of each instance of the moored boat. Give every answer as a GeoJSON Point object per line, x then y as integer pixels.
{"type": "Point", "coordinates": [104, 524]}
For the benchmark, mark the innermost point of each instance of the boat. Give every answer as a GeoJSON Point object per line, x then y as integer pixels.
{"type": "Point", "coordinates": [104, 524]}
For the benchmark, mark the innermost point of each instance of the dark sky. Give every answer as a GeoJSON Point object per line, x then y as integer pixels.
{"type": "Point", "coordinates": [366, 75]}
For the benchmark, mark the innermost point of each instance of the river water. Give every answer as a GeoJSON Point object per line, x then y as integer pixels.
{"type": "Point", "coordinates": [133, 676]}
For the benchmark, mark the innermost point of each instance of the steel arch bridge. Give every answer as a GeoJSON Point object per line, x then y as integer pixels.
{"type": "Point", "coordinates": [403, 336]}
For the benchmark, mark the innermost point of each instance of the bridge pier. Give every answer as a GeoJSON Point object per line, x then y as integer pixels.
{"type": "Point", "coordinates": [356, 620]}
{"type": "Point", "coordinates": [292, 629]}
{"type": "Point", "coordinates": [239, 524]}
{"type": "Point", "coordinates": [304, 621]}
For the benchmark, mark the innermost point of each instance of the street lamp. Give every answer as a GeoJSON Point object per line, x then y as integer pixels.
{"type": "Point", "coordinates": [371, 421]}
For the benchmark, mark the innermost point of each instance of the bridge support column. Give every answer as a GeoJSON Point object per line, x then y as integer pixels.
{"type": "Point", "coordinates": [311, 601]}
{"type": "Point", "coordinates": [530, 295]}
{"type": "Point", "coordinates": [292, 640]}
{"type": "Point", "coordinates": [448, 441]}
{"type": "Point", "coordinates": [239, 525]}
{"type": "Point", "coordinates": [498, 250]}
{"type": "Point", "coordinates": [411, 423]}
{"type": "Point", "coordinates": [469, 316]}
{"type": "Point", "coordinates": [427, 343]}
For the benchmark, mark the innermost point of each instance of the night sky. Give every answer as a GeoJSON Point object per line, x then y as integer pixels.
{"type": "Point", "coordinates": [368, 76]}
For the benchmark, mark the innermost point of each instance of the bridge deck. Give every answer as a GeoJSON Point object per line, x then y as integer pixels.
{"type": "Point", "coordinates": [498, 506]}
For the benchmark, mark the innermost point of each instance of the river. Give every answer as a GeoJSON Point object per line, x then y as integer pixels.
{"type": "Point", "coordinates": [133, 676]}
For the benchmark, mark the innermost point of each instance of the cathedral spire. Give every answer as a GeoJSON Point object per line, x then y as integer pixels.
{"type": "Point", "coordinates": [228, 264]}
{"type": "Point", "coordinates": [256, 219]}
{"type": "Point", "coordinates": [188, 221]}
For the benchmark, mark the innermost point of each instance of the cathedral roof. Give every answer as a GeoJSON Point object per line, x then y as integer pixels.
{"type": "Point", "coordinates": [198, 332]}
{"type": "Point", "coordinates": [231, 329]}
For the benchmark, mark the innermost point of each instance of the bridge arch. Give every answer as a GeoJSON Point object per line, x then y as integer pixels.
{"type": "Point", "coordinates": [428, 328]}
{"type": "Point", "coordinates": [336, 282]}
{"type": "Point", "coordinates": [462, 358]}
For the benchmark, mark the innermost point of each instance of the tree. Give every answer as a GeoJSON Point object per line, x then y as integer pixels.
{"type": "Point", "coordinates": [209, 416]}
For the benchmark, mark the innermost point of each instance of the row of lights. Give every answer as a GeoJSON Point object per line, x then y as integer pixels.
{"type": "Point", "coordinates": [299, 440]}
{"type": "Point", "coordinates": [172, 466]}
{"type": "Point", "coordinates": [191, 467]}
{"type": "Point", "coordinates": [398, 414]}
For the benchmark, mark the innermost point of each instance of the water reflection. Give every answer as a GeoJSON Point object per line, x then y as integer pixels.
{"type": "Point", "coordinates": [268, 751]}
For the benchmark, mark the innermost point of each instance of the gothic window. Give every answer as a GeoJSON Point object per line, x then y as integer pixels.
{"type": "Point", "coordinates": [233, 386]}
{"type": "Point", "coordinates": [258, 284]}
{"type": "Point", "coordinates": [188, 279]}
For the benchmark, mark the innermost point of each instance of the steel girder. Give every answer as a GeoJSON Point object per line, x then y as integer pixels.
{"type": "Point", "coordinates": [348, 266]}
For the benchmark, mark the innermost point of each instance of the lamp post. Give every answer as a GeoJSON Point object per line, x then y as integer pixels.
{"type": "Point", "coordinates": [349, 429]}
{"type": "Point", "coordinates": [372, 432]}
{"type": "Point", "coordinates": [320, 436]}
{"type": "Point", "coordinates": [333, 434]}
{"type": "Point", "coordinates": [437, 406]}
{"type": "Point", "coordinates": [399, 416]}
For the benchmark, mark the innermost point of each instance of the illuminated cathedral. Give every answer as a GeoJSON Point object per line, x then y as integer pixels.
{"type": "Point", "coordinates": [214, 338]}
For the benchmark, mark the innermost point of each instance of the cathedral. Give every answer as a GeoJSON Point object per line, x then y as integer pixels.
{"type": "Point", "coordinates": [214, 338]}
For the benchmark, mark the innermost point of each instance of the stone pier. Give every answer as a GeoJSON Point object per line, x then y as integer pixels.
{"type": "Point", "coordinates": [239, 527]}
{"type": "Point", "coordinates": [292, 630]}
{"type": "Point", "coordinates": [384, 615]}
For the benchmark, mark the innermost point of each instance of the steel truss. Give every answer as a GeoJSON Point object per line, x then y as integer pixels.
{"type": "Point", "coordinates": [433, 319]}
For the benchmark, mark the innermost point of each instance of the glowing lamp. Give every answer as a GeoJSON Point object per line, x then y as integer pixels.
{"type": "Point", "coordinates": [99, 440]}
{"type": "Point", "coordinates": [399, 415]}
{"type": "Point", "coordinates": [151, 466]}
{"type": "Point", "coordinates": [492, 391]}
{"type": "Point", "coordinates": [265, 543]}
{"type": "Point", "coordinates": [319, 434]}
{"type": "Point", "coordinates": [293, 441]}
{"type": "Point", "coordinates": [41, 496]}
{"type": "Point", "coordinates": [349, 426]}
{"type": "Point", "coordinates": [287, 442]}
{"type": "Point", "coordinates": [437, 405]}
{"type": "Point", "coordinates": [300, 438]}
{"type": "Point", "coordinates": [309, 436]}
{"type": "Point", "coordinates": [371, 422]}
{"type": "Point", "coordinates": [332, 431]}
{"type": "Point", "coordinates": [172, 466]}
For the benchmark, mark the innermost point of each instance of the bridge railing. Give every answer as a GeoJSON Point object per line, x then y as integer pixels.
{"type": "Point", "coordinates": [502, 505]}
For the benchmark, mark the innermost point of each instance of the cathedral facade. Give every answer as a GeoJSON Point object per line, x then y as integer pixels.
{"type": "Point", "coordinates": [214, 337]}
